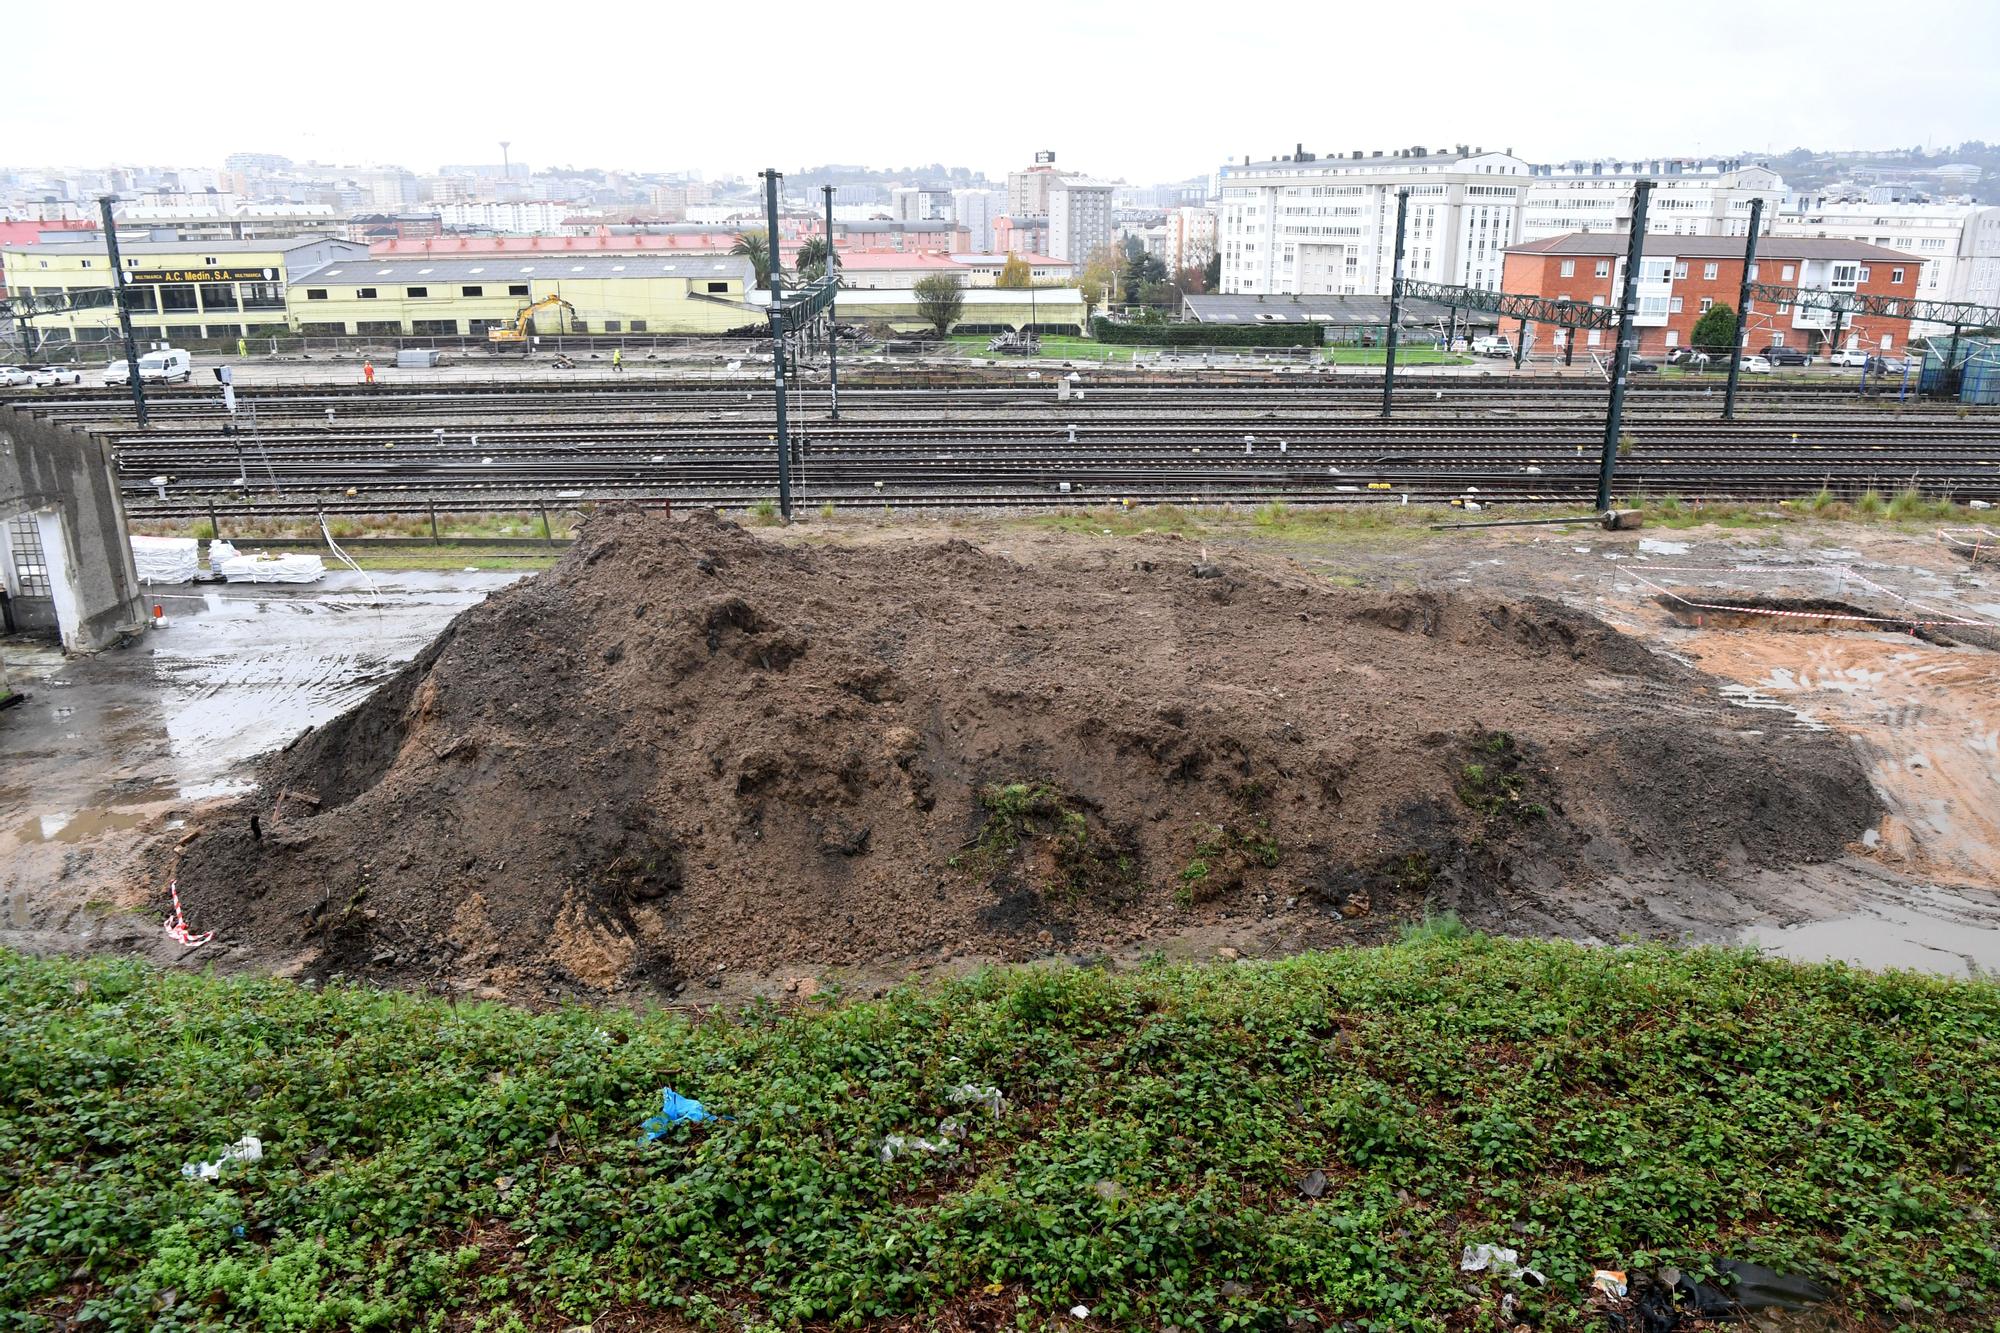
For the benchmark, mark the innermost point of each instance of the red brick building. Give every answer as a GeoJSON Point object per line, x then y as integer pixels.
{"type": "Point", "coordinates": [1680, 277]}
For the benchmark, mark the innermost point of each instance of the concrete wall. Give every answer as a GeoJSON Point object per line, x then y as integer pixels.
{"type": "Point", "coordinates": [69, 482]}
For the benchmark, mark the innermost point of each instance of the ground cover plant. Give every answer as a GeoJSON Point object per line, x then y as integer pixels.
{"type": "Point", "coordinates": [999, 1150]}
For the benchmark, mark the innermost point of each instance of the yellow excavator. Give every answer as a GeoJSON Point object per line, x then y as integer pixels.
{"type": "Point", "coordinates": [516, 334]}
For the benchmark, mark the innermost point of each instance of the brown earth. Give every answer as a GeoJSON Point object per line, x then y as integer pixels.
{"type": "Point", "coordinates": [686, 747]}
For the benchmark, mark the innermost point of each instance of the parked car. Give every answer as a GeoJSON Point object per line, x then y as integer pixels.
{"type": "Point", "coordinates": [118, 372]}
{"type": "Point", "coordinates": [1492, 345]}
{"type": "Point", "coordinates": [1853, 360]}
{"type": "Point", "coordinates": [172, 366]}
{"type": "Point", "coordinates": [49, 377]}
{"type": "Point", "coordinates": [1888, 365]}
{"type": "Point", "coordinates": [14, 376]}
{"type": "Point", "coordinates": [1756, 365]}
{"type": "Point", "coordinates": [1785, 356]}
{"type": "Point", "coordinates": [1641, 366]}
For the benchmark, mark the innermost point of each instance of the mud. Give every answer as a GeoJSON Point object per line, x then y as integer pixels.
{"type": "Point", "coordinates": [688, 750]}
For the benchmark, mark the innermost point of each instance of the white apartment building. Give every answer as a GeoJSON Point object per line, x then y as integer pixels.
{"type": "Point", "coordinates": [1079, 218]}
{"type": "Point", "coordinates": [975, 211]}
{"type": "Point", "coordinates": [534, 216]}
{"type": "Point", "coordinates": [920, 203]}
{"type": "Point", "coordinates": [1190, 238]}
{"type": "Point", "coordinates": [1028, 191]}
{"type": "Point", "coordinates": [1327, 225]}
{"type": "Point", "coordinates": [1691, 196]}
{"type": "Point", "coordinates": [1958, 242]}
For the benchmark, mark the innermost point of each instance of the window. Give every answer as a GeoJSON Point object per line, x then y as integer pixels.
{"type": "Point", "coordinates": [1786, 274]}
{"type": "Point", "coordinates": [1681, 269]}
{"type": "Point", "coordinates": [262, 295]}
{"type": "Point", "coordinates": [517, 289]}
{"type": "Point", "coordinates": [472, 291]}
{"type": "Point", "coordinates": [434, 327]}
{"type": "Point", "coordinates": [1778, 338]}
{"type": "Point", "coordinates": [143, 298]}
{"type": "Point", "coordinates": [1603, 268]}
{"type": "Point", "coordinates": [209, 260]}
{"type": "Point", "coordinates": [638, 326]}
{"type": "Point", "coordinates": [1568, 269]}
{"type": "Point", "coordinates": [177, 296]}
{"type": "Point", "coordinates": [718, 286]}
{"type": "Point", "coordinates": [1753, 273]}
{"type": "Point", "coordinates": [1711, 272]}
{"type": "Point", "coordinates": [364, 293]}
{"type": "Point", "coordinates": [218, 296]}
{"type": "Point", "coordinates": [1896, 276]}
{"type": "Point", "coordinates": [1707, 304]}
{"type": "Point", "coordinates": [86, 263]}
{"type": "Point", "coordinates": [1864, 273]}
{"type": "Point", "coordinates": [613, 326]}
{"type": "Point", "coordinates": [1888, 341]}
{"type": "Point", "coordinates": [315, 293]}
{"type": "Point", "coordinates": [323, 330]}
{"type": "Point", "coordinates": [1596, 337]}
{"type": "Point", "coordinates": [1843, 276]}
{"type": "Point", "coordinates": [416, 291]}
{"type": "Point", "coordinates": [1674, 305]}
{"type": "Point", "coordinates": [1673, 338]}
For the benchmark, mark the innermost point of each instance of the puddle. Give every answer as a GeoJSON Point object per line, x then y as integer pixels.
{"type": "Point", "coordinates": [1925, 929]}
{"type": "Point", "coordinates": [79, 825]}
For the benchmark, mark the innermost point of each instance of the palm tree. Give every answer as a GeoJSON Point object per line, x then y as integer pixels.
{"type": "Point", "coordinates": [754, 248]}
{"type": "Point", "coordinates": [811, 260]}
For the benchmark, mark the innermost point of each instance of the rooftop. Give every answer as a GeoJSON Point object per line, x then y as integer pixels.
{"type": "Point", "coordinates": [93, 242]}
{"type": "Point", "coordinates": [1613, 243]}
{"type": "Point", "coordinates": [1349, 311]}
{"type": "Point", "coordinates": [511, 268]}
{"type": "Point", "coordinates": [696, 240]}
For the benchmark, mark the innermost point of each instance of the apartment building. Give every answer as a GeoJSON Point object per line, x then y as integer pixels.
{"type": "Point", "coordinates": [1959, 242]}
{"type": "Point", "coordinates": [1190, 237]}
{"type": "Point", "coordinates": [1028, 190]}
{"type": "Point", "coordinates": [975, 211]}
{"type": "Point", "coordinates": [1691, 196]}
{"type": "Point", "coordinates": [1306, 224]}
{"type": "Point", "coordinates": [1682, 277]}
{"type": "Point", "coordinates": [1079, 217]}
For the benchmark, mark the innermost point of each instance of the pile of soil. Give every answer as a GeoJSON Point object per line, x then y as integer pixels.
{"type": "Point", "coordinates": [687, 747]}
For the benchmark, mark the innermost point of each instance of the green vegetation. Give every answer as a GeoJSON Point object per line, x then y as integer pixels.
{"type": "Point", "coordinates": [1222, 855]}
{"type": "Point", "coordinates": [1493, 783]}
{"type": "Point", "coordinates": [765, 511]}
{"type": "Point", "coordinates": [1071, 858]}
{"type": "Point", "coordinates": [437, 1165]}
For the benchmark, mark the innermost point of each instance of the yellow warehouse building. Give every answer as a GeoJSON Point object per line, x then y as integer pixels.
{"type": "Point", "coordinates": [607, 294]}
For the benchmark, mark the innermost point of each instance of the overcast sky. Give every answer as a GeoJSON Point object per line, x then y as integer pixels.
{"type": "Point", "coordinates": [1149, 90]}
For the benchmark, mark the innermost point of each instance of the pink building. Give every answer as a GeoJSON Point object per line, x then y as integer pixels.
{"type": "Point", "coordinates": [1022, 235]}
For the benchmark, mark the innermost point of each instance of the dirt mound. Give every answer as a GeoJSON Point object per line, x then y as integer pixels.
{"type": "Point", "coordinates": [686, 746]}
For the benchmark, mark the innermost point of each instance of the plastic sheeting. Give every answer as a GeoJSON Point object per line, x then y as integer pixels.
{"type": "Point", "coordinates": [218, 552]}
{"type": "Point", "coordinates": [166, 559]}
{"type": "Point", "coordinates": [274, 569]}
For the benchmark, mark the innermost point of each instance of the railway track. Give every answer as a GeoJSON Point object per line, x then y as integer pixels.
{"type": "Point", "coordinates": [1011, 442]}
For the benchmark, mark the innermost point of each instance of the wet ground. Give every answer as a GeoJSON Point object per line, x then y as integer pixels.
{"type": "Point", "coordinates": [105, 748]}
{"type": "Point", "coordinates": [110, 750]}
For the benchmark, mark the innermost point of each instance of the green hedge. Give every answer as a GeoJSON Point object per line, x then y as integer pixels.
{"type": "Point", "coordinates": [1206, 335]}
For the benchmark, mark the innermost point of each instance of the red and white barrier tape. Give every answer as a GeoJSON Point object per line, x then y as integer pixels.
{"type": "Point", "coordinates": [177, 926]}
{"type": "Point", "coordinates": [1899, 622]}
{"type": "Point", "coordinates": [1984, 540]}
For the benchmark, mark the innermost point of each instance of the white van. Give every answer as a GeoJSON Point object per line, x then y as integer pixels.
{"type": "Point", "coordinates": [1492, 344]}
{"type": "Point", "coordinates": [172, 366]}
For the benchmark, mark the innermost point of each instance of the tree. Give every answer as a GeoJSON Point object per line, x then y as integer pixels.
{"type": "Point", "coordinates": [1099, 279]}
{"type": "Point", "coordinates": [1015, 273]}
{"type": "Point", "coordinates": [1192, 280]}
{"type": "Point", "coordinates": [752, 246]}
{"type": "Point", "coordinates": [1211, 275]}
{"type": "Point", "coordinates": [1715, 331]}
{"type": "Point", "coordinates": [811, 259]}
{"type": "Point", "coordinates": [940, 300]}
